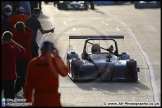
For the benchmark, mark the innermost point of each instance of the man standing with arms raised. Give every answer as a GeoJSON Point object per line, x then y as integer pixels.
{"type": "Point", "coordinates": [34, 24]}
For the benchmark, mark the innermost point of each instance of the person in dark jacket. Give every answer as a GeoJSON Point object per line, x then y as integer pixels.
{"type": "Point", "coordinates": [34, 24]}
{"type": "Point", "coordinates": [15, 4]}
{"type": "Point", "coordinates": [26, 6]}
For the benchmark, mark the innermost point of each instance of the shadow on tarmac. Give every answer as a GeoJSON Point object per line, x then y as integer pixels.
{"type": "Point", "coordinates": [112, 86]}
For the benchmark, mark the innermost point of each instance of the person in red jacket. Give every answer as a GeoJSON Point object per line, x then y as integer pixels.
{"type": "Point", "coordinates": [19, 16]}
{"type": "Point", "coordinates": [43, 77]}
{"type": "Point", "coordinates": [23, 37]}
{"type": "Point", "coordinates": [9, 54]}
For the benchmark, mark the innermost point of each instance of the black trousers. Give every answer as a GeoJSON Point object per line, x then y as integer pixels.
{"type": "Point", "coordinates": [91, 4]}
{"type": "Point", "coordinates": [21, 66]}
{"type": "Point", "coordinates": [34, 49]}
{"type": "Point", "coordinates": [8, 87]}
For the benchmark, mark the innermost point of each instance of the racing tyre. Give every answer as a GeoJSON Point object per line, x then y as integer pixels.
{"type": "Point", "coordinates": [135, 77]}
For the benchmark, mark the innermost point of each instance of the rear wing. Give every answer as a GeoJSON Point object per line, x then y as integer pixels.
{"type": "Point", "coordinates": [96, 37]}
{"type": "Point", "coordinates": [86, 37]}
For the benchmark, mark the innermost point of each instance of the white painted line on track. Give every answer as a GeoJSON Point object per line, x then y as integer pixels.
{"type": "Point", "coordinates": [117, 29]}
{"type": "Point", "coordinates": [109, 19]}
{"type": "Point", "coordinates": [70, 19]}
{"type": "Point", "coordinates": [65, 22]}
{"type": "Point", "coordinates": [102, 21]}
{"type": "Point", "coordinates": [152, 72]}
{"type": "Point", "coordinates": [73, 28]}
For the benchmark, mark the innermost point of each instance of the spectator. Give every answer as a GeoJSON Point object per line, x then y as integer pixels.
{"type": "Point", "coordinates": [8, 70]}
{"type": "Point", "coordinates": [33, 23]}
{"type": "Point", "coordinates": [19, 16]}
{"type": "Point", "coordinates": [7, 11]}
{"type": "Point", "coordinates": [42, 75]}
{"type": "Point", "coordinates": [26, 6]}
{"type": "Point", "coordinates": [23, 37]}
{"type": "Point", "coordinates": [95, 49]}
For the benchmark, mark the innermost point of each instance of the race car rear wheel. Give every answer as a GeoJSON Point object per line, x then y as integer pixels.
{"type": "Point", "coordinates": [73, 74]}
{"type": "Point", "coordinates": [135, 77]}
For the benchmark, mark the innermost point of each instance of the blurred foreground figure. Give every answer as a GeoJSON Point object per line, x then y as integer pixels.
{"type": "Point", "coordinates": [43, 77]}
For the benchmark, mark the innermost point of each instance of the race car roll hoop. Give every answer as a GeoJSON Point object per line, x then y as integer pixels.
{"type": "Point", "coordinates": [111, 37]}
{"type": "Point", "coordinates": [102, 66]}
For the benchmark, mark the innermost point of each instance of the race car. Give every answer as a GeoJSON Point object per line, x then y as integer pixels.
{"type": "Point", "coordinates": [72, 5]}
{"type": "Point", "coordinates": [146, 4]}
{"type": "Point", "coordinates": [108, 65]}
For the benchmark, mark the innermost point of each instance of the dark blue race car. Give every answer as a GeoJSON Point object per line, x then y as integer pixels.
{"type": "Point", "coordinates": [108, 65]}
{"type": "Point", "coordinates": [146, 4]}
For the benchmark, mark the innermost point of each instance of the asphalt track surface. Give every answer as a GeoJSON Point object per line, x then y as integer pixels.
{"type": "Point", "coordinates": [141, 30]}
